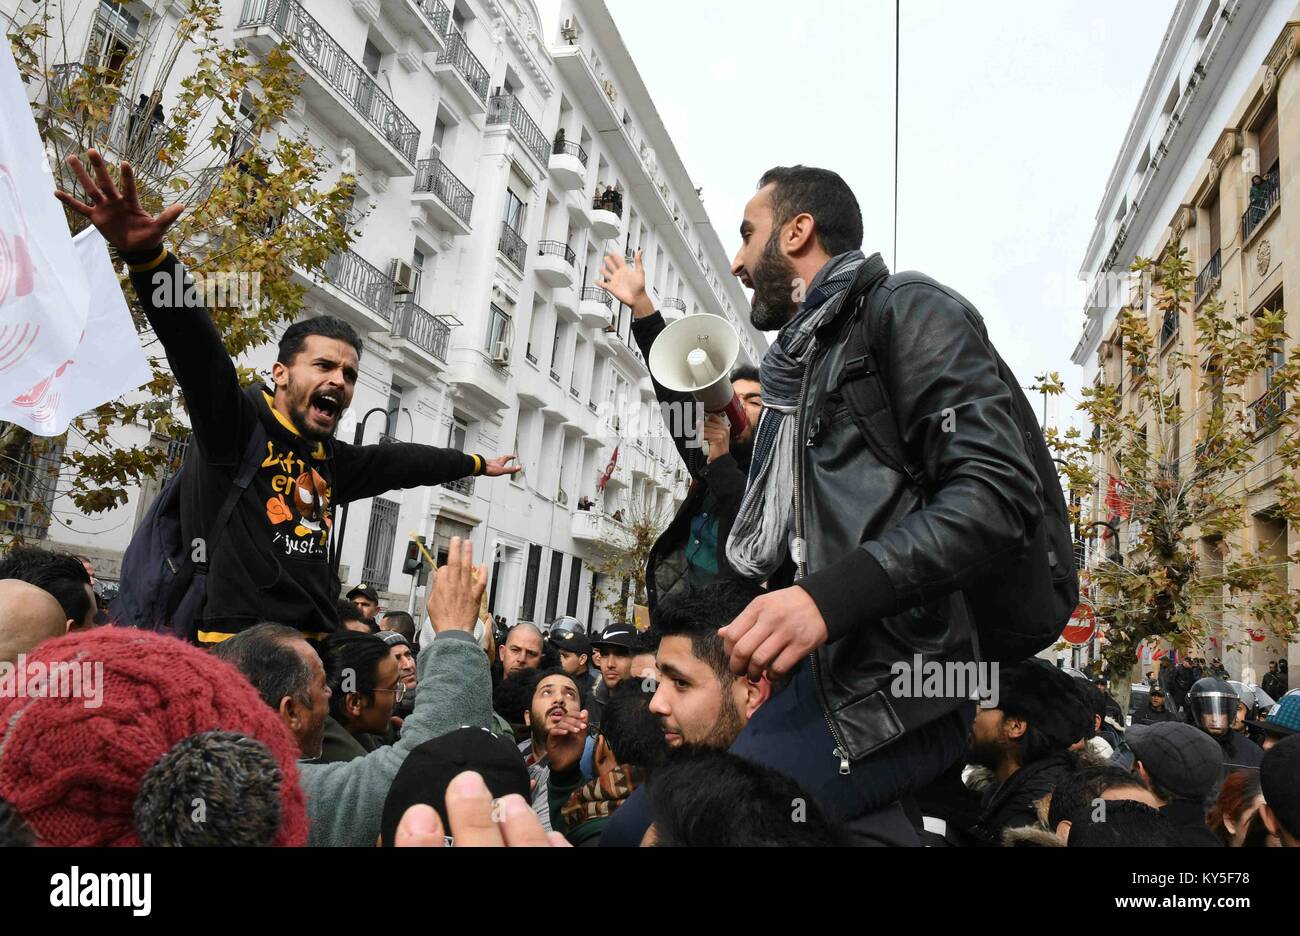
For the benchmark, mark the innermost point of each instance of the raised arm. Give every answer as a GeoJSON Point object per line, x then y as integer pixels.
{"type": "Point", "coordinates": [198, 358]}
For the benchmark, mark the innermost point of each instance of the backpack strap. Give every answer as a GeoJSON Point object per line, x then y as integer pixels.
{"type": "Point", "coordinates": [863, 387]}
{"type": "Point", "coordinates": [248, 465]}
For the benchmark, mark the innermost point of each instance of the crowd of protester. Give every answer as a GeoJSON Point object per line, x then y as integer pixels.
{"type": "Point", "coordinates": [367, 738]}
{"type": "Point", "coordinates": [239, 700]}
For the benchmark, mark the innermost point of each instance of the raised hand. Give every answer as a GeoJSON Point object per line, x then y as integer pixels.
{"type": "Point", "coordinates": [117, 214]}
{"type": "Point", "coordinates": [501, 466]}
{"type": "Point", "coordinates": [626, 283]}
{"type": "Point", "coordinates": [566, 740]}
{"type": "Point", "coordinates": [457, 590]}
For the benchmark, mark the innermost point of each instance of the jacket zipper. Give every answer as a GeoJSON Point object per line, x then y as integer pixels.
{"type": "Point", "coordinates": [800, 551]}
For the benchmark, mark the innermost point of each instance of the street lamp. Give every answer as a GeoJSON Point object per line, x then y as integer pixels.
{"type": "Point", "coordinates": [343, 508]}
{"type": "Point", "coordinates": [1117, 557]}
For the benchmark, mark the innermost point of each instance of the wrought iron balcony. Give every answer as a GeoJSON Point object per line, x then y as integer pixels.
{"type": "Point", "coordinates": [678, 304]}
{"type": "Point", "coordinates": [363, 281]}
{"type": "Point", "coordinates": [557, 249]}
{"type": "Point", "coordinates": [467, 64]}
{"type": "Point", "coordinates": [596, 294]}
{"type": "Point", "coordinates": [300, 30]}
{"type": "Point", "coordinates": [132, 130]}
{"type": "Point", "coordinates": [512, 245]}
{"type": "Point", "coordinates": [506, 109]}
{"type": "Point", "coordinates": [420, 327]}
{"type": "Point", "coordinates": [463, 486]}
{"type": "Point", "coordinates": [1268, 410]}
{"type": "Point", "coordinates": [432, 175]}
{"type": "Point", "coordinates": [1262, 200]}
{"type": "Point", "coordinates": [436, 13]}
{"type": "Point", "coordinates": [563, 147]}
{"type": "Point", "coordinates": [1208, 276]}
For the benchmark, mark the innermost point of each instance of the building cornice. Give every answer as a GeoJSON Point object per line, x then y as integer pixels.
{"type": "Point", "coordinates": [519, 24]}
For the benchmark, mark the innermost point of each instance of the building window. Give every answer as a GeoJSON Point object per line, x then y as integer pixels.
{"type": "Point", "coordinates": [528, 608]}
{"type": "Point", "coordinates": [575, 581]}
{"type": "Point", "coordinates": [553, 589]}
{"type": "Point", "coordinates": [380, 539]}
{"type": "Point", "coordinates": [498, 328]}
{"type": "Point", "coordinates": [515, 212]}
{"type": "Point", "coordinates": [370, 59]}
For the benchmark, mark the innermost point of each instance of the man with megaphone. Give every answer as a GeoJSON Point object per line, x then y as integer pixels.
{"type": "Point", "coordinates": [692, 367]}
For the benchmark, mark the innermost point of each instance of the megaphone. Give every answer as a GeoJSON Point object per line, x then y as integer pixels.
{"type": "Point", "coordinates": [695, 355]}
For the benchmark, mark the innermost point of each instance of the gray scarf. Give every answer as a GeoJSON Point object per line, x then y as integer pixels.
{"type": "Point", "coordinates": [761, 535]}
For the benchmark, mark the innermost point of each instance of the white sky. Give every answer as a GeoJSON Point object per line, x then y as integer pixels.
{"type": "Point", "coordinates": [1012, 115]}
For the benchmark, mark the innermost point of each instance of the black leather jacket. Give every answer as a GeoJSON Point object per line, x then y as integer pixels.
{"type": "Point", "coordinates": [883, 560]}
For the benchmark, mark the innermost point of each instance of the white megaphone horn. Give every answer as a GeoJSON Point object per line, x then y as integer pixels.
{"type": "Point", "coordinates": [695, 355]}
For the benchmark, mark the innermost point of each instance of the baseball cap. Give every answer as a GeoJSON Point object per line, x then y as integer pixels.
{"type": "Point", "coordinates": [366, 591]}
{"type": "Point", "coordinates": [1283, 720]}
{"type": "Point", "coordinates": [570, 642]}
{"type": "Point", "coordinates": [616, 635]}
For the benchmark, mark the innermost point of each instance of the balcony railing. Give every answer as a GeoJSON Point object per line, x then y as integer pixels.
{"type": "Point", "coordinates": [596, 294]}
{"type": "Point", "coordinates": [591, 405]}
{"type": "Point", "coordinates": [432, 175]}
{"type": "Point", "coordinates": [555, 375]}
{"type": "Point", "coordinates": [575, 393]}
{"type": "Point", "coordinates": [436, 13]}
{"type": "Point", "coordinates": [339, 70]}
{"type": "Point", "coordinates": [1210, 273]}
{"type": "Point", "coordinates": [132, 131]}
{"type": "Point", "coordinates": [512, 245]}
{"type": "Point", "coordinates": [557, 249]}
{"type": "Point", "coordinates": [1169, 327]}
{"type": "Point", "coordinates": [678, 304]}
{"type": "Point", "coordinates": [506, 109]}
{"type": "Point", "coordinates": [563, 147]}
{"type": "Point", "coordinates": [464, 486]}
{"type": "Point", "coordinates": [1268, 410]}
{"type": "Point", "coordinates": [1262, 200]}
{"type": "Point", "coordinates": [363, 281]}
{"type": "Point", "coordinates": [420, 327]}
{"type": "Point", "coordinates": [464, 61]}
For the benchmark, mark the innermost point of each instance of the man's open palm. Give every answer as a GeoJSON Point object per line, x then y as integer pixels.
{"type": "Point", "coordinates": [117, 214]}
{"type": "Point", "coordinates": [624, 281]}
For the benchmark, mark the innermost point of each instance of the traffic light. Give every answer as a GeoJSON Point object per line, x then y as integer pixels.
{"type": "Point", "coordinates": [413, 562]}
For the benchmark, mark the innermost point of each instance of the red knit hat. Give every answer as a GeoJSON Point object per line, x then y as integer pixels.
{"type": "Point", "coordinates": [72, 771]}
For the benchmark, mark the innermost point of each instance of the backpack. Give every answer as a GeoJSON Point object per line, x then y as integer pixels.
{"type": "Point", "coordinates": [1023, 606]}
{"type": "Point", "coordinates": [163, 588]}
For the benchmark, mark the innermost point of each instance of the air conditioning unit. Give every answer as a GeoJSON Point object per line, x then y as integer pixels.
{"type": "Point", "coordinates": [501, 353]}
{"type": "Point", "coordinates": [569, 28]}
{"type": "Point", "coordinates": [404, 276]}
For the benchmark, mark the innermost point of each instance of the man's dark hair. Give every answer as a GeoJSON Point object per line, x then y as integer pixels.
{"type": "Point", "coordinates": [1078, 790]}
{"type": "Point", "coordinates": [265, 655]}
{"type": "Point", "coordinates": [235, 777]}
{"type": "Point", "coordinates": [514, 694]}
{"type": "Point", "coordinates": [402, 623]}
{"type": "Point", "coordinates": [822, 194]}
{"type": "Point", "coordinates": [702, 797]}
{"type": "Point", "coordinates": [541, 673]}
{"type": "Point", "coordinates": [634, 734]}
{"type": "Point", "coordinates": [1123, 824]}
{"type": "Point", "coordinates": [14, 830]}
{"type": "Point", "coordinates": [698, 614]}
{"type": "Point", "coordinates": [350, 612]}
{"type": "Point", "coordinates": [327, 326]}
{"type": "Point", "coordinates": [349, 653]}
{"type": "Point", "coordinates": [60, 574]}
{"type": "Point", "coordinates": [744, 372]}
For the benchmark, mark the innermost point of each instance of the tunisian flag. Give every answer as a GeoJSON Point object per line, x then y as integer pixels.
{"type": "Point", "coordinates": [1115, 502]}
{"type": "Point", "coordinates": [609, 470]}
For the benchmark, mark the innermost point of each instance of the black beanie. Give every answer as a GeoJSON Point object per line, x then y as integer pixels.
{"type": "Point", "coordinates": [1047, 699]}
{"type": "Point", "coordinates": [1279, 779]}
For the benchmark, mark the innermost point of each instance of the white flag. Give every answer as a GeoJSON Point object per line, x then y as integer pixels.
{"type": "Point", "coordinates": [107, 362]}
{"type": "Point", "coordinates": [44, 297]}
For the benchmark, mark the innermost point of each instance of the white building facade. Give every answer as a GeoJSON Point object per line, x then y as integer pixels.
{"type": "Point", "coordinates": [478, 234]}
